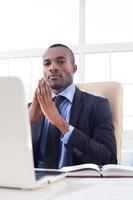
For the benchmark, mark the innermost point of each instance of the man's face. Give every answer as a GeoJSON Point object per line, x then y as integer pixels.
{"type": "Point", "coordinates": [58, 68]}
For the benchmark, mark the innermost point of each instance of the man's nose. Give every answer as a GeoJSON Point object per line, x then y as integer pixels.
{"type": "Point", "coordinates": [53, 66]}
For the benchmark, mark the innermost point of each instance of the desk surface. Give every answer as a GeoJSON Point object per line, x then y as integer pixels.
{"type": "Point", "coordinates": [76, 188]}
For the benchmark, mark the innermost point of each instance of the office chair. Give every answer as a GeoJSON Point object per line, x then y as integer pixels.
{"type": "Point", "coordinates": [113, 92]}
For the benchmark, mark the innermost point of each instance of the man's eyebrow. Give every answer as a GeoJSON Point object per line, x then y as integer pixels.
{"type": "Point", "coordinates": [59, 57]}
{"type": "Point", "coordinates": [45, 60]}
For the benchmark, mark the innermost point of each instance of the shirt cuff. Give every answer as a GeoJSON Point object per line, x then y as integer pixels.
{"type": "Point", "coordinates": [67, 135]}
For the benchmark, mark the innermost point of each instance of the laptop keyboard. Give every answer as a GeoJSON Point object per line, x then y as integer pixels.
{"type": "Point", "coordinates": [41, 174]}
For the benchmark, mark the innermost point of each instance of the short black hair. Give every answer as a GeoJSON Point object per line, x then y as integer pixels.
{"type": "Point", "coordinates": [70, 51]}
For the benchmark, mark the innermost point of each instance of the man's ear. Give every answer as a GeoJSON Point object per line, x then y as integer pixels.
{"type": "Point", "coordinates": [74, 68]}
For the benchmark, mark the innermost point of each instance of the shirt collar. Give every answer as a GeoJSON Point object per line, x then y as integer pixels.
{"type": "Point", "coordinates": [67, 92]}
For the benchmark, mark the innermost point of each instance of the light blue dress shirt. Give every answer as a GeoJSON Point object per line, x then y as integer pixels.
{"type": "Point", "coordinates": [65, 108]}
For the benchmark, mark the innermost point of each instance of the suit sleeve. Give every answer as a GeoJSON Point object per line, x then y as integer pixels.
{"type": "Point", "coordinates": [99, 146]}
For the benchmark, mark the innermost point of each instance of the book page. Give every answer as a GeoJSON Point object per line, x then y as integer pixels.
{"type": "Point", "coordinates": [117, 170]}
{"type": "Point", "coordinates": [83, 170]}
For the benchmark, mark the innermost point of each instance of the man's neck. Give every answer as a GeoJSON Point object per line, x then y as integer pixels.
{"type": "Point", "coordinates": [58, 91]}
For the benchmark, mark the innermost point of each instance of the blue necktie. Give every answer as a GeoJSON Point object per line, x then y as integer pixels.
{"type": "Point", "coordinates": [53, 141]}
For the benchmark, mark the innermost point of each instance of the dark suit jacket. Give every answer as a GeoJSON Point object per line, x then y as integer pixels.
{"type": "Point", "coordinates": [92, 140]}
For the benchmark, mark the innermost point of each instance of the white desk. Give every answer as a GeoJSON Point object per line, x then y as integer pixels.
{"type": "Point", "coordinates": [77, 189]}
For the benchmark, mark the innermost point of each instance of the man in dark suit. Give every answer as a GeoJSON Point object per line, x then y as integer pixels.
{"type": "Point", "coordinates": [82, 122]}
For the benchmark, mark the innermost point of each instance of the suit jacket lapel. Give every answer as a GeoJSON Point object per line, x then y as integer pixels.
{"type": "Point", "coordinates": [76, 107]}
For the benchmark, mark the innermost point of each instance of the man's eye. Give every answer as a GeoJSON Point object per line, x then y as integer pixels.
{"type": "Point", "coordinates": [47, 63]}
{"type": "Point", "coordinates": [61, 61]}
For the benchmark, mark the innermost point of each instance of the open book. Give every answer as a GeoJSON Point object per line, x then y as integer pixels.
{"type": "Point", "coordinates": [93, 170]}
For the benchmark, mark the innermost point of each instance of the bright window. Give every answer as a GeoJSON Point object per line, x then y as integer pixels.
{"type": "Point", "coordinates": [122, 66]}
{"type": "Point", "coordinates": [30, 24]}
{"type": "Point", "coordinates": [109, 21]}
{"type": "Point", "coordinates": [96, 67]}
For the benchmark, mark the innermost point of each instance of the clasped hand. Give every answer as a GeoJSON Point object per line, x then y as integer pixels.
{"type": "Point", "coordinates": [42, 105]}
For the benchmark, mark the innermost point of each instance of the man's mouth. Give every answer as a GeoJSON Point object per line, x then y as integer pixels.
{"type": "Point", "coordinates": [54, 77]}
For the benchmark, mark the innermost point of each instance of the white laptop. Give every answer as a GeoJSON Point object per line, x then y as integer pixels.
{"type": "Point", "coordinates": [16, 156]}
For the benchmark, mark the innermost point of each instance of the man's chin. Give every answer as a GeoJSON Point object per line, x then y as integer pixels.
{"type": "Point", "coordinates": [55, 86]}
